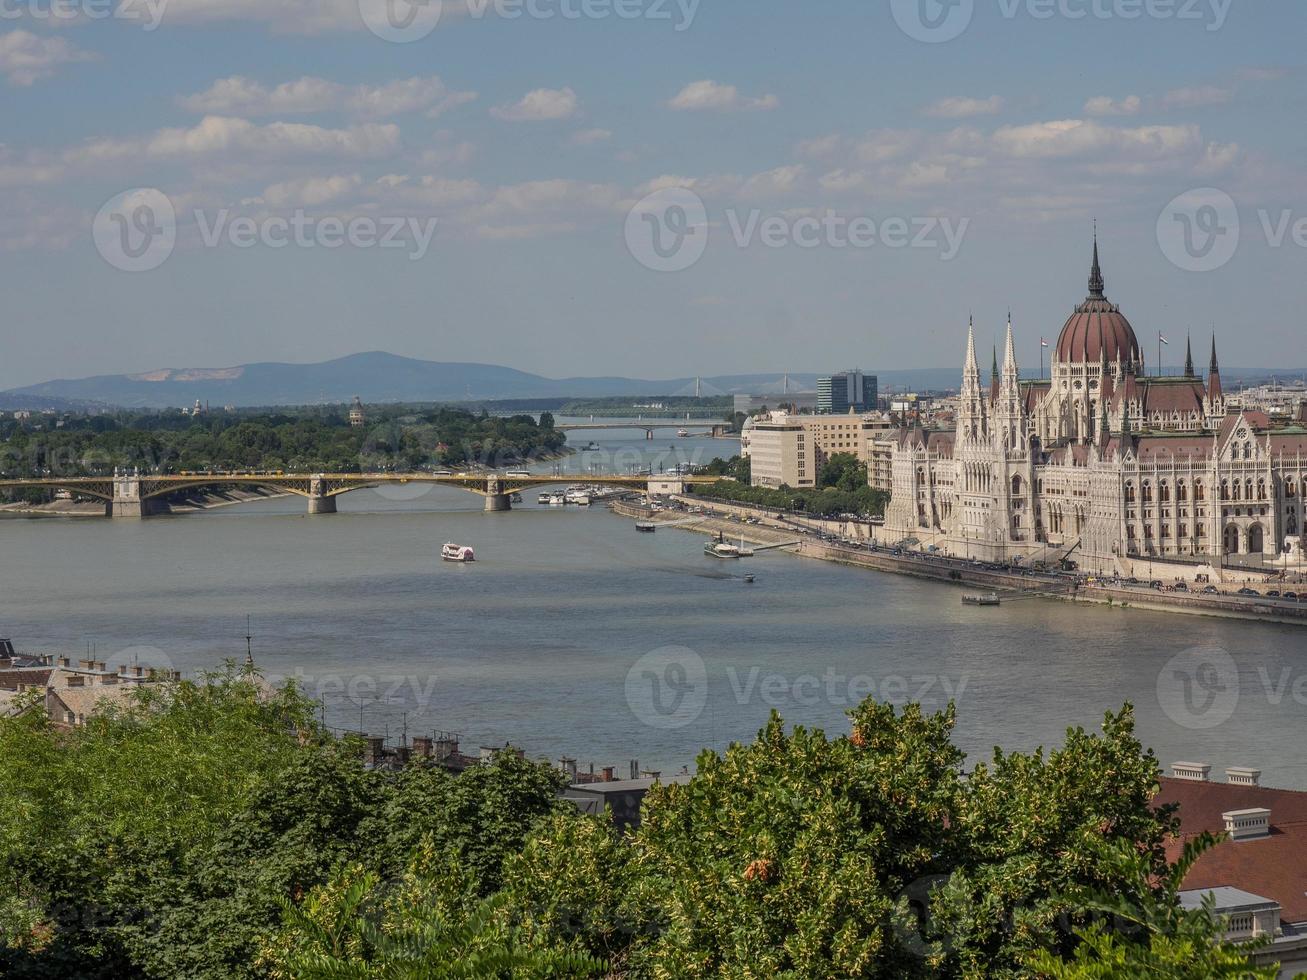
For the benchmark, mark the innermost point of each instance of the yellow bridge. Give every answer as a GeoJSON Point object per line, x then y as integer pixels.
{"type": "Point", "coordinates": [138, 495]}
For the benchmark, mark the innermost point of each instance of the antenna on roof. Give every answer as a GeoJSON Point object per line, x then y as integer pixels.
{"type": "Point", "coordinates": [249, 641]}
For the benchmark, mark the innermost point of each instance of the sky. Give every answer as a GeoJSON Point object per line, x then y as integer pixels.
{"type": "Point", "coordinates": [649, 188]}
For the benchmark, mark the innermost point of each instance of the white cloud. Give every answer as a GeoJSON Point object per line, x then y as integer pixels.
{"type": "Point", "coordinates": [1103, 105]}
{"type": "Point", "coordinates": [822, 146]}
{"type": "Point", "coordinates": [1063, 138]}
{"type": "Point", "coordinates": [26, 58]}
{"type": "Point", "coordinates": [710, 95]}
{"type": "Point", "coordinates": [225, 136]}
{"type": "Point", "coordinates": [1200, 97]}
{"type": "Point", "coordinates": [241, 96]}
{"type": "Point", "coordinates": [589, 137]}
{"type": "Point", "coordinates": [962, 107]}
{"type": "Point", "coordinates": [542, 105]}
{"type": "Point", "coordinates": [310, 192]}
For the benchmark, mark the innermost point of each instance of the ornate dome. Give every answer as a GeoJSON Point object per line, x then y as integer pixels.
{"type": "Point", "coordinates": [1097, 326]}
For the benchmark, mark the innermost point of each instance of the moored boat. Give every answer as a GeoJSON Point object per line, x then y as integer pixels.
{"type": "Point", "coordinates": [988, 599]}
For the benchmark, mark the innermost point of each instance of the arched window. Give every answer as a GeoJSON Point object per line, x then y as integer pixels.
{"type": "Point", "coordinates": [1164, 492]}
{"type": "Point", "coordinates": [1129, 493]}
{"type": "Point", "coordinates": [1198, 491]}
{"type": "Point", "coordinates": [1016, 486]}
{"type": "Point", "coordinates": [1261, 489]}
{"type": "Point", "coordinates": [1225, 489]}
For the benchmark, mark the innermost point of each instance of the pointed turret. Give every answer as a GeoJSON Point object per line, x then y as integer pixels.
{"type": "Point", "coordinates": [970, 368]}
{"type": "Point", "coordinates": [1096, 285]}
{"type": "Point", "coordinates": [1189, 358]}
{"type": "Point", "coordinates": [1104, 427]}
{"type": "Point", "coordinates": [1214, 375]}
{"type": "Point", "coordinates": [1106, 384]}
{"type": "Point", "coordinates": [993, 377]}
{"type": "Point", "coordinates": [971, 402]}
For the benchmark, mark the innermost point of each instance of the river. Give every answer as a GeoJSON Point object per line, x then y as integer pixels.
{"type": "Point", "coordinates": [557, 639]}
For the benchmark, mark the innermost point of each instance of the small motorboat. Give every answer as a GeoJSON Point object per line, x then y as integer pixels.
{"type": "Point", "coordinates": [458, 553]}
{"type": "Point", "coordinates": [748, 580]}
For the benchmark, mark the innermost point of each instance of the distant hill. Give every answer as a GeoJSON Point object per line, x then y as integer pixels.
{"type": "Point", "coordinates": [375, 377]}
{"type": "Point", "coordinates": [381, 377]}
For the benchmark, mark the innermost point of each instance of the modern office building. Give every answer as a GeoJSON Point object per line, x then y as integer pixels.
{"type": "Point", "coordinates": [854, 390]}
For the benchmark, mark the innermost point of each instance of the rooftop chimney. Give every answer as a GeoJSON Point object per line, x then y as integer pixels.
{"type": "Point", "coordinates": [1247, 824]}
{"type": "Point", "coordinates": [423, 747]}
{"type": "Point", "coordinates": [1194, 772]}
{"type": "Point", "coordinates": [610, 774]}
{"type": "Point", "coordinates": [1242, 776]}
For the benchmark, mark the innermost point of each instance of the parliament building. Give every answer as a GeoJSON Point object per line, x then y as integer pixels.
{"type": "Point", "coordinates": [1100, 463]}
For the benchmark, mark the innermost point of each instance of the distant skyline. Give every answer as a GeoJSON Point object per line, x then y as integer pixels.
{"type": "Point", "coordinates": [505, 157]}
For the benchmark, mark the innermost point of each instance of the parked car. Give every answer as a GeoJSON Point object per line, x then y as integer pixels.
{"type": "Point", "coordinates": [1248, 591]}
{"type": "Point", "coordinates": [1211, 590]}
{"type": "Point", "coordinates": [1273, 594]}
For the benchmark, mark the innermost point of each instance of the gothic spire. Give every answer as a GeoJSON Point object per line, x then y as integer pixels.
{"type": "Point", "coordinates": [1189, 358]}
{"type": "Point", "coordinates": [1215, 367]}
{"type": "Point", "coordinates": [994, 370]}
{"type": "Point", "coordinates": [1096, 286]}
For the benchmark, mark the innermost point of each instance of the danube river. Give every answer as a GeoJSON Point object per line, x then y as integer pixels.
{"type": "Point", "coordinates": [545, 641]}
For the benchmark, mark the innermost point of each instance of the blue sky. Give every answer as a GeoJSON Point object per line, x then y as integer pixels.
{"type": "Point", "coordinates": [530, 140]}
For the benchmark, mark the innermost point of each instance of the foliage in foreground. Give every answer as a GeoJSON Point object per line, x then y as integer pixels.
{"type": "Point", "coordinates": [215, 832]}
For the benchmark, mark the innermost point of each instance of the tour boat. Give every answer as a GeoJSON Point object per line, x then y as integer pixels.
{"type": "Point", "coordinates": [721, 548]}
{"type": "Point", "coordinates": [578, 495]}
{"type": "Point", "coordinates": [557, 498]}
{"type": "Point", "coordinates": [457, 552]}
{"type": "Point", "coordinates": [646, 527]}
{"type": "Point", "coordinates": [991, 599]}
{"type": "Point", "coordinates": [545, 498]}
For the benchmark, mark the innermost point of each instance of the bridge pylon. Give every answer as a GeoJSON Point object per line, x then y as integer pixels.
{"type": "Point", "coordinates": [127, 500]}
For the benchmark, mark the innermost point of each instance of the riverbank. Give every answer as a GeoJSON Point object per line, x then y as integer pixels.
{"type": "Point", "coordinates": [1010, 585]}
{"type": "Point", "coordinates": [190, 505]}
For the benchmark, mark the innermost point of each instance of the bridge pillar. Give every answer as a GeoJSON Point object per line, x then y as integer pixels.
{"type": "Point", "coordinates": [496, 500]}
{"type": "Point", "coordinates": [127, 501]}
{"type": "Point", "coordinates": [322, 505]}
{"type": "Point", "coordinates": [319, 501]}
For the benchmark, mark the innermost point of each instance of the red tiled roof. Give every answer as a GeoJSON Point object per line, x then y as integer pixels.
{"type": "Point", "coordinates": [1097, 326]}
{"type": "Point", "coordinates": [1274, 867]}
{"type": "Point", "coordinates": [1170, 397]}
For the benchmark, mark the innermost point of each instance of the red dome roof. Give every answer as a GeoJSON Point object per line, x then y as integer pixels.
{"type": "Point", "coordinates": [1097, 327]}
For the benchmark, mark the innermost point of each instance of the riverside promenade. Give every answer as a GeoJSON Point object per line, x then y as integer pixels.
{"type": "Point", "coordinates": [1010, 584]}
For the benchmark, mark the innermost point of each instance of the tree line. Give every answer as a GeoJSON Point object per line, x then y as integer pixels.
{"type": "Point", "coordinates": [307, 440]}
{"type": "Point", "coordinates": [842, 488]}
{"type": "Point", "coordinates": [214, 830]}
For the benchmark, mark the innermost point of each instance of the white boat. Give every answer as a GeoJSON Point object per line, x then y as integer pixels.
{"type": "Point", "coordinates": [989, 599]}
{"type": "Point", "coordinates": [578, 495]}
{"type": "Point", "coordinates": [544, 498]}
{"type": "Point", "coordinates": [682, 433]}
{"type": "Point", "coordinates": [457, 552]}
{"type": "Point", "coordinates": [721, 548]}
{"type": "Point", "coordinates": [557, 498]}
